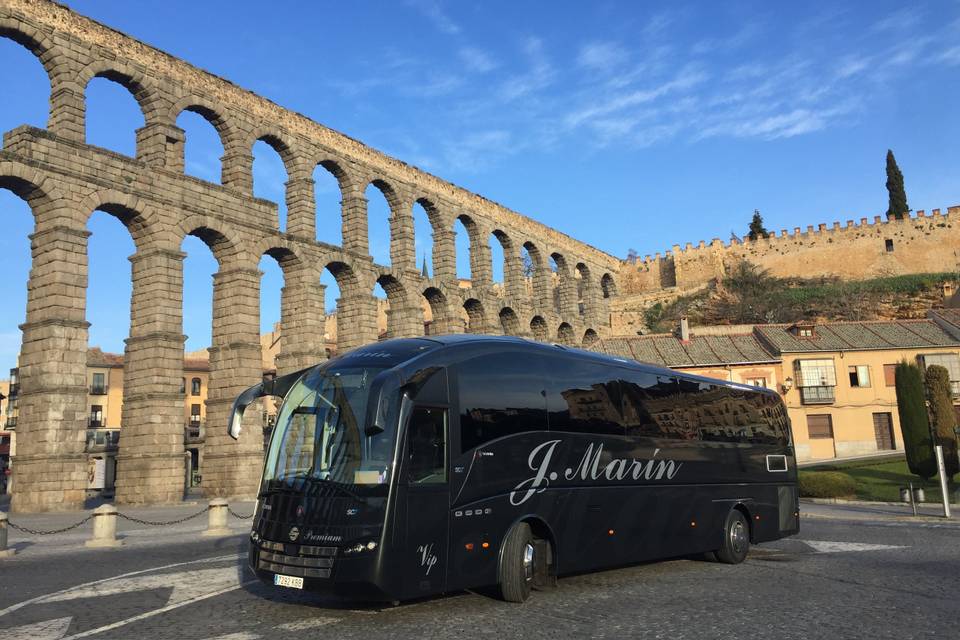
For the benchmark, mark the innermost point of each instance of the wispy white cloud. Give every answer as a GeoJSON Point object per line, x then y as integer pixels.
{"type": "Point", "coordinates": [728, 43]}
{"type": "Point", "coordinates": [479, 149]}
{"type": "Point", "coordinates": [539, 74]}
{"type": "Point", "coordinates": [608, 91]}
{"type": "Point", "coordinates": [949, 56]}
{"type": "Point", "coordinates": [851, 66]}
{"type": "Point", "coordinates": [475, 59]}
{"type": "Point", "coordinates": [602, 56]}
{"type": "Point", "coordinates": [434, 12]}
{"type": "Point", "coordinates": [657, 24]}
{"type": "Point", "coordinates": [903, 19]}
{"type": "Point", "coordinates": [686, 79]}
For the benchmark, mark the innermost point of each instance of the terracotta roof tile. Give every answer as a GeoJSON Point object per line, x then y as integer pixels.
{"type": "Point", "coordinates": [847, 336]}
{"type": "Point", "coordinates": [670, 351]}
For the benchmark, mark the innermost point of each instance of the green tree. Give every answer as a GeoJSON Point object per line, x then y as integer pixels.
{"type": "Point", "coordinates": [898, 197]}
{"type": "Point", "coordinates": [911, 405]}
{"type": "Point", "coordinates": [942, 417]}
{"type": "Point", "coordinates": [757, 230]}
{"type": "Point", "coordinates": [753, 290]}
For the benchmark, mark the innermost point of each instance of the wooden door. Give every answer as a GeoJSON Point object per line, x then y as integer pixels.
{"type": "Point", "coordinates": [883, 431]}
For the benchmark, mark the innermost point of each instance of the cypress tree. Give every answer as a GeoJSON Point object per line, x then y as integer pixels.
{"type": "Point", "coordinates": [757, 230]}
{"type": "Point", "coordinates": [898, 197]}
{"type": "Point", "coordinates": [912, 408]}
{"type": "Point", "coordinates": [944, 420]}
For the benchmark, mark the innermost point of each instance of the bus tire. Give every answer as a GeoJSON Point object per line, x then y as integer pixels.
{"type": "Point", "coordinates": [517, 562]}
{"type": "Point", "coordinates": [736, 539]}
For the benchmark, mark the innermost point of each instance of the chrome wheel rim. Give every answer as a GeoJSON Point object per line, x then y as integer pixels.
{"type": "Point", "coordinates": [528, 562]}
{"type": "Point", "coordinates": [738, 537]}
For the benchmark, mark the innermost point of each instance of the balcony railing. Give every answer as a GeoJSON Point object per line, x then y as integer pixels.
{"type": "Point", "coordinates": [816, 395]}
{"type": "Point", "coordinates": [194, 431]}
{"type": "Point", "coordinates": [11, 422]}
{"type": "Point", "coordinates": [102, 440]}
{"type": "Point", "coordinates": [99, 390]}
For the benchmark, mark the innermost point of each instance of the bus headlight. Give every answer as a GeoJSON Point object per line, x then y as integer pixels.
{"type": "Point", "coordinates": [360, 547]}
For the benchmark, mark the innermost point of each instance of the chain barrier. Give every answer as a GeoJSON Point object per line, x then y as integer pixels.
{"type": "Point", "coordinates": [163, 523]}
{"type": "Point", "coordinates": [49, 532]}
{"type": "Point", "coordinates": [237, 515]}
{"type": "Point", "coordinates": [151, 523]}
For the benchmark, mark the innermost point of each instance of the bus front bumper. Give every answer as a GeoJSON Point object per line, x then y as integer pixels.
{"type": "Point", "coordinates": [325, 569]}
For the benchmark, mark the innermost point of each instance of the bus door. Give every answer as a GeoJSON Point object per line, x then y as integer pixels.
{"type": "Point", "coordinates": [427, 500]}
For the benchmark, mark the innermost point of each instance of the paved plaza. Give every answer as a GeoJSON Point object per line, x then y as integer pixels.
{"type": "Point", "coordinates": [853, 572]}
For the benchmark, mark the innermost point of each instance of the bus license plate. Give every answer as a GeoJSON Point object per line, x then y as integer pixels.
{"type": "Point", "coordinates": [293, 582]}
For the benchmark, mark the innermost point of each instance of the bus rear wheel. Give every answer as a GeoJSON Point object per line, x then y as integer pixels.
{"type": "Point", "coordinates": [517, 564]}
{"type": "Point", "coordinates": [736, 539]}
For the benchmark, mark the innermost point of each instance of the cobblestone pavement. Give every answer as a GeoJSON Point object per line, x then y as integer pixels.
{"type": "Point", "coordinates": [840, 578]}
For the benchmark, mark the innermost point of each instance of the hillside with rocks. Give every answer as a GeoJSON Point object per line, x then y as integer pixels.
{"type": "Point", "coordinates": [750, 295]}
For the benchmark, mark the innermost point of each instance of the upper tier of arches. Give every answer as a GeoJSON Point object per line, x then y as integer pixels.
{"type": "Point", "coordinates": [164, 88]}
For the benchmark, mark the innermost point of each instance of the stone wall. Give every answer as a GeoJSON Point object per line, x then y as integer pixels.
{"type": "Point", "coordinates": [64, 180]}
{"type": "Point", "coordinates": [921, 243]}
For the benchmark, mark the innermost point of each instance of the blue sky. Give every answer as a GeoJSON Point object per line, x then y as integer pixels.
{"type": "Point", "coordinates": [625, 124]}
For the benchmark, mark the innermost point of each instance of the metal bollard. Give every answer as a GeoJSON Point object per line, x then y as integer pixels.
{"type": "Point", "coordinates": [104, 527]}
{"type": "Point", "coordinates": [4, 552]}
{"type": "Point", "coordinates": [217, 522]}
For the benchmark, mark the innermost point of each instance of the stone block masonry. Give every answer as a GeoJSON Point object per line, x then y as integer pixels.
{"type": "Point", "coordinates": [921, 243]}
{"type": "Point", "coordinates": [64, 180]}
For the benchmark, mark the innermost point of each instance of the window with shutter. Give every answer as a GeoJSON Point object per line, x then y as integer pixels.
{"type": "Point", "coordinates": [820, 426]}
{"type": "Point", "coordinates": [890, 375]}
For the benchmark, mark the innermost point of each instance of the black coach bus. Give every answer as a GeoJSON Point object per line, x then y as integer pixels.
{"type": "Point", "coordinates": [414, 467]}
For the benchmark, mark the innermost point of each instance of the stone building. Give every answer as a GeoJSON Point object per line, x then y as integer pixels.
{"type": "Point", "coordinates": [105, 413]}
{"type": "Point", "coordinates": [836, 378]}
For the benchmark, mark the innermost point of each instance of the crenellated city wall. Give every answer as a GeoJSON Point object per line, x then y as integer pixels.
{"type": "Point", "coordinates": [920, 243]}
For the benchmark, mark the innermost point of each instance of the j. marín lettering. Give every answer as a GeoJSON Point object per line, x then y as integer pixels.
{"type": "Point", "coordinates": [589, 468]}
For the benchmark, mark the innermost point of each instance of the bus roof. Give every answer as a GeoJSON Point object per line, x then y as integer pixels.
{"type": "Point", "coordinates": [403, 351]}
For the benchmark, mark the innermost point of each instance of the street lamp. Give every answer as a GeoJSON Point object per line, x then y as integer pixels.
{"type": "Point", "coordinates": [787, 385]}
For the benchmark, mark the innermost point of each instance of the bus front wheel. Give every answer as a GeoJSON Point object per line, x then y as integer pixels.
{"type": "Point", "coordinates": [736, 539]}
{"type": "Point", "coordinates": [517, 564]}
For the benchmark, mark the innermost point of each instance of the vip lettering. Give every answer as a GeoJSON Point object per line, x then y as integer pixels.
{"type": "Point", "coordinates": [427, 557]}
{"type": "Point", "coordinates": [589, 468]}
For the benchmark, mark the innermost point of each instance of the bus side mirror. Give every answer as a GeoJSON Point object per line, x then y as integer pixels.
{"type": "Point", "coordinates": [276, 387]}
{"type": "Point", "coordinates": [235, 425]}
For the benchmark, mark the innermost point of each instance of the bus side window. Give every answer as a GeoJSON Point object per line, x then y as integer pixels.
{"type": "Point", "coordinates": [427, 446]}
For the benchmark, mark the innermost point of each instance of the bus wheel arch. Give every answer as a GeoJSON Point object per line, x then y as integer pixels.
{"type": "Point", "coordinates": [736, 536]}
{"type": "Point", "coordinates": [745, 510]}
{"type": "Point", "coordinates": [526, 559]}
{"type": "Point", "coordinates": [547, 571]}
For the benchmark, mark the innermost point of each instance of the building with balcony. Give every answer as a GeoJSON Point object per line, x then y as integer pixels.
{"type": "Point", "coordinates": [839, 380]}
{"type": "Point", "coordinates": [836, 378]}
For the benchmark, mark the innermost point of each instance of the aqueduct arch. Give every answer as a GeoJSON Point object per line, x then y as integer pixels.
{"type": "Point", "coordinates": [63, 180]}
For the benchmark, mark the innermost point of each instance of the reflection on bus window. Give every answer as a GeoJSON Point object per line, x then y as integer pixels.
{"type": "Point", "coordinates": [427, 445]}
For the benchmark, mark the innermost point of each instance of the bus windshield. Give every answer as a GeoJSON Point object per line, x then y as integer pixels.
{"type": "Point", "coordinates": [320, 434]}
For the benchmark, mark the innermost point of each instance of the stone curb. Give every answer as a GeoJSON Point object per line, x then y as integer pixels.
{"type": "Point", "coordinates": [872, 503]}
{"type": "Point", "coordinates": [880, 517]}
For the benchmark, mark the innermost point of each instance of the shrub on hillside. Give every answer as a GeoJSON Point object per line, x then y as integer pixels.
{"type": "Point", "coordinates": [826, 484]}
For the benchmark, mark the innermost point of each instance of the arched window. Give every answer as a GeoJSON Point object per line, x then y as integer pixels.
{"type": "Point", "coordinates": [195, 387]}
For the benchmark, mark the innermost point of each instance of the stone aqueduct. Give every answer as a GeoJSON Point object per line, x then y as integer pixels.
{"type": "Point", "coordinates": [64, 180]}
